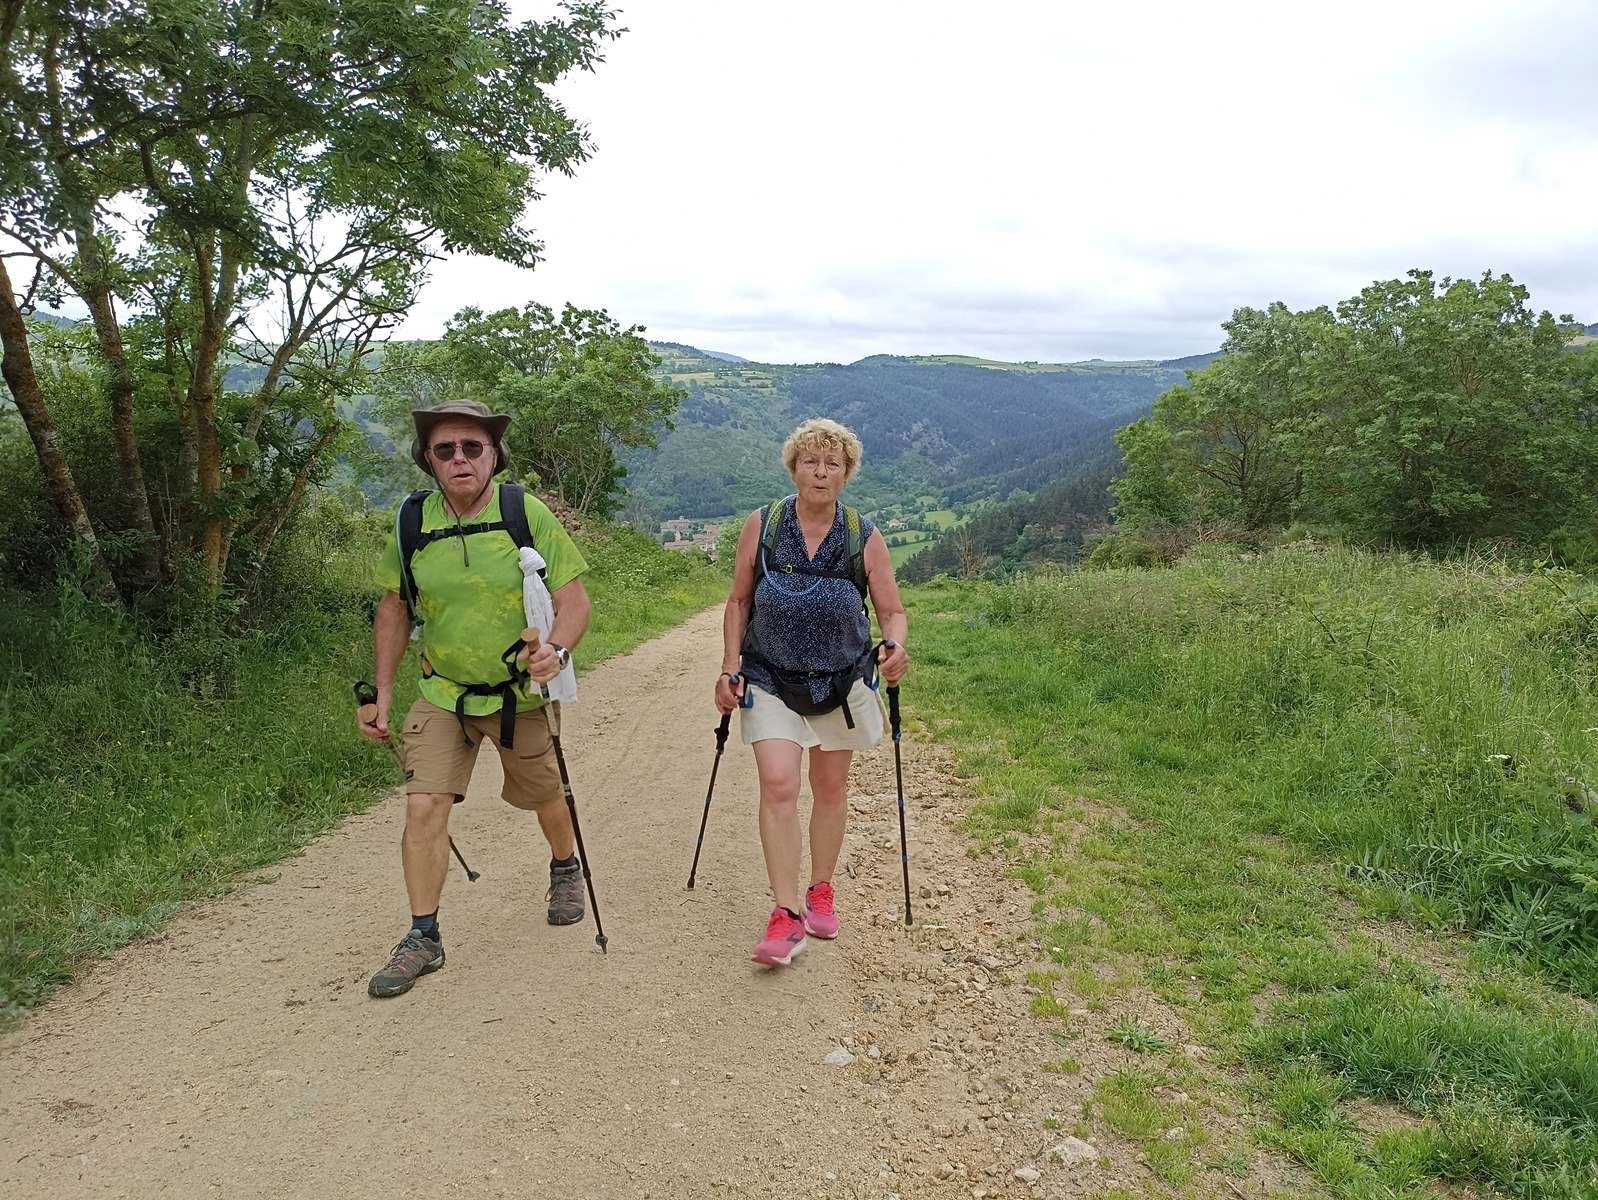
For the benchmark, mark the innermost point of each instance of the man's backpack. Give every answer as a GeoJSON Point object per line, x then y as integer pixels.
{"type": "Point", "coordinates": [409, 537]}
{"type": "Point", "coordinates": [771, 529]}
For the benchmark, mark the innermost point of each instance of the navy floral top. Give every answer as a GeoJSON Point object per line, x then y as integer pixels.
{"type": "Point", "coordinates": [808, 622]}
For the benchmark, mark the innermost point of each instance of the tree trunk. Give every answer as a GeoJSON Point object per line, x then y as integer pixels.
{"type": "Point", "coordinates": [96, 294]}
{"type": "Point", "coordinates": [216, 309]}
{"type": "Point", "coordinates": [272, 524]}
{"type": "Point", "coordinates": [17, 367]}
{"type": "Point", "coordinates": [180, 514]}
{"type": "Point", "coordinates": [208, 457]}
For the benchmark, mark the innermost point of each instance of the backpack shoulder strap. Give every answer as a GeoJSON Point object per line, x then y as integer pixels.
{"type": "Point", "coordinates": [513, 511]}
{"type": "Point", "coordinates": [513, 515]}
{"type": "Point", "coordinates": [407, 538]}
{"type": "Point", "coordinates": [770, 531]}
{"type": "Point", "coordinates": [857, 551]}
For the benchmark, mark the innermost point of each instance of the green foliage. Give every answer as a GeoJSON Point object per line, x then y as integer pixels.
{"type": "Point", "coordinates": [578, 385]}
{"type": "Point", "coordinates": [1138, 1038]}
{"type": "Point", "coordinates": [1424, 412]}
{"type": "Point", "coordinates": [727, 543]}
{"type": "Point", "coordinates": [296, 166]}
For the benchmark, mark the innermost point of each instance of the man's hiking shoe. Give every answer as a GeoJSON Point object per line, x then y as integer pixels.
{"type": "Point", "coordinates": [414, 957]}
{"type": "Point", "coordinates": [820, 919]}
{"type": "Point", "coordinates": [566, 894]}
{"type": "Point", "coordinates": [785, 937]}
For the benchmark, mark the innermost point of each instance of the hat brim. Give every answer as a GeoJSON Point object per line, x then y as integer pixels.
{"type": "Point", "coordinates": [426, 419]}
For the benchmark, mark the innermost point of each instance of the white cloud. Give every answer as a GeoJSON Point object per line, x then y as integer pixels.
{"type": "Point", "coordinates": [1055, 181]}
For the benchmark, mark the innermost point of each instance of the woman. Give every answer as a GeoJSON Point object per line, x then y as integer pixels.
{"type": "Point", "coordinates": [798, 656]}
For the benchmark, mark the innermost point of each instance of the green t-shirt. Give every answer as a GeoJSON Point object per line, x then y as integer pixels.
{"type": "Point", "coordinates": [471, 597]}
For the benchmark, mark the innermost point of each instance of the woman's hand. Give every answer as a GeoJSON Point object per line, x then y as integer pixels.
{"type": "Point", "coordinates": [893, 662]}
{"type": "Point", "coordinates": [729, 691]}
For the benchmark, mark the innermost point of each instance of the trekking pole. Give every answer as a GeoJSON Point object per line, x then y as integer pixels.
{"type": "Point", "coordinates": [530, 642]}
{"type": "Point", "coordinates": [577, 832]}
{"type": "Point", "coordinates": [366, 713]}
{"type": "Point", "coordinates": [898, 775]}
{"type": "Point", "coordinates": [721, 744]}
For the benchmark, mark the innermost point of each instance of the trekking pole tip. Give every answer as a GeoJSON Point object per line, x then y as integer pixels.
{"type": "Point", "coordinates": [602, 942]}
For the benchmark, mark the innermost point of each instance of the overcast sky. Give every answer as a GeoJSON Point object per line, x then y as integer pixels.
{"type": "Point", "coordinates": [1055, 181]}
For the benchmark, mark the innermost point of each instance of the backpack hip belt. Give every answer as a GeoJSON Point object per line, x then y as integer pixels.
{"type": "Point", "coordinates": [793, 687]}
{"type": "Point", "coordinates": [509, 701]}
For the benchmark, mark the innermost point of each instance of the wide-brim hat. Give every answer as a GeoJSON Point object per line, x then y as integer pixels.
{"type": "Point", "coordinates": [472, 410]}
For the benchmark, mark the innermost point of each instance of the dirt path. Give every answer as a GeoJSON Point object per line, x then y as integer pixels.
{"type": "Point", "coordinates": [238, 1054]}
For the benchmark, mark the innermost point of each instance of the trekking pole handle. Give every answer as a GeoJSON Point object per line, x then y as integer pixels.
{"type": "Point", "coordinates": [722, 731]}
{"type": "Point", "coordinates": [365, 702]}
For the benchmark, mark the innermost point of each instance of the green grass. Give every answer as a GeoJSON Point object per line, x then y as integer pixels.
{"type": "Point", "coordinates": [943, 518]}
{"type": "Point", "coordinates": [138, 771]}
{"type": "Point", "coordinates": [899, 555]}
{"type": "Point", "coordinates": [1274, 758]}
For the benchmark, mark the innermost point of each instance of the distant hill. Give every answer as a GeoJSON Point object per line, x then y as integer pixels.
{"type": "Point", "coordinates": [53, 319]}
{"type": "Point", "coordinates": [1193, 362]}
{"type": "Point", "coordinates": [961, 429]}
{"type": "Point", "coordinates": [718, 355]}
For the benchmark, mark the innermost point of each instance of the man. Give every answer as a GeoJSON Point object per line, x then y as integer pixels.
{"type": "Point", "coordinates": [464, 587]}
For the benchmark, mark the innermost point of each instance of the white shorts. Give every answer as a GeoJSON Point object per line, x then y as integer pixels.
{"type": "Point", "coordinates": [770, 718]}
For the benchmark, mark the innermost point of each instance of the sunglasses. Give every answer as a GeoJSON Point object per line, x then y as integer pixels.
{"type": "Point", "coordinates": [444, 451]}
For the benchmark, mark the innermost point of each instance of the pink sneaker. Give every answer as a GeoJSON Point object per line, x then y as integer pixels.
{"type": "Point", "coordinates": [820, 919]}
{"type": "Point", "coordinates": [785, 937]}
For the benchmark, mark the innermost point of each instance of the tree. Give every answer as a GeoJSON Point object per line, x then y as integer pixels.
{"type": "Point", "coordinates": [1225, 447]}
{"type": "Point", "coordinates": [1422, 412]}
{"type": "Point", "coordinates": [578, 385]}
{"type": "Point", "coordinates": [314, 153]}
{"type": "Point", "coordinates": [1449, 414]}
{"type": "Point", "coordinates": [23, 381]}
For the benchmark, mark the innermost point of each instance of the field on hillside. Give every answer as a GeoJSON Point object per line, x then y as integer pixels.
{"type": "Point", "coordinates": [1333, 812]}
{"type": "Point", "coordinates": [900, 554]}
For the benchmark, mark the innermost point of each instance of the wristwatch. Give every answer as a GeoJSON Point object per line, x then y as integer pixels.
{"type": "Point", "coordinates": [561, 653]}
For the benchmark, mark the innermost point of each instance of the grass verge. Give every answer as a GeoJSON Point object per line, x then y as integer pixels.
{"type": "Point", "coordinates": [1320, 807]}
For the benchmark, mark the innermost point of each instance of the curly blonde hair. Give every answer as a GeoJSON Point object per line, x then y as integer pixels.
{"type": "Point", "coordinates": [819, 433]}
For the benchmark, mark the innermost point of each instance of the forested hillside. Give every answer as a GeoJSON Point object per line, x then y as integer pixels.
{"type": "Point", "coordinates": [961, 429]}
{"type": "Point", "coordinates": [1050, 526]}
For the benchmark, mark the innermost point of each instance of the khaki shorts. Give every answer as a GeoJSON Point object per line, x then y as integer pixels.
{"type": "Point", "coordinates": [437, 758]}
{"type": "Point", "coordinates": [769, 718]}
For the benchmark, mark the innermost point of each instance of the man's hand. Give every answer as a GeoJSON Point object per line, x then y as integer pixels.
{"type": "Point", "coordinates": [542, 663]}
{"type": "Point", "coordinates": [729, 691]}
{"type": "Point", "coordinates": [893, 661]}
{"type": "Point", "coordinates": [373, 718]}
